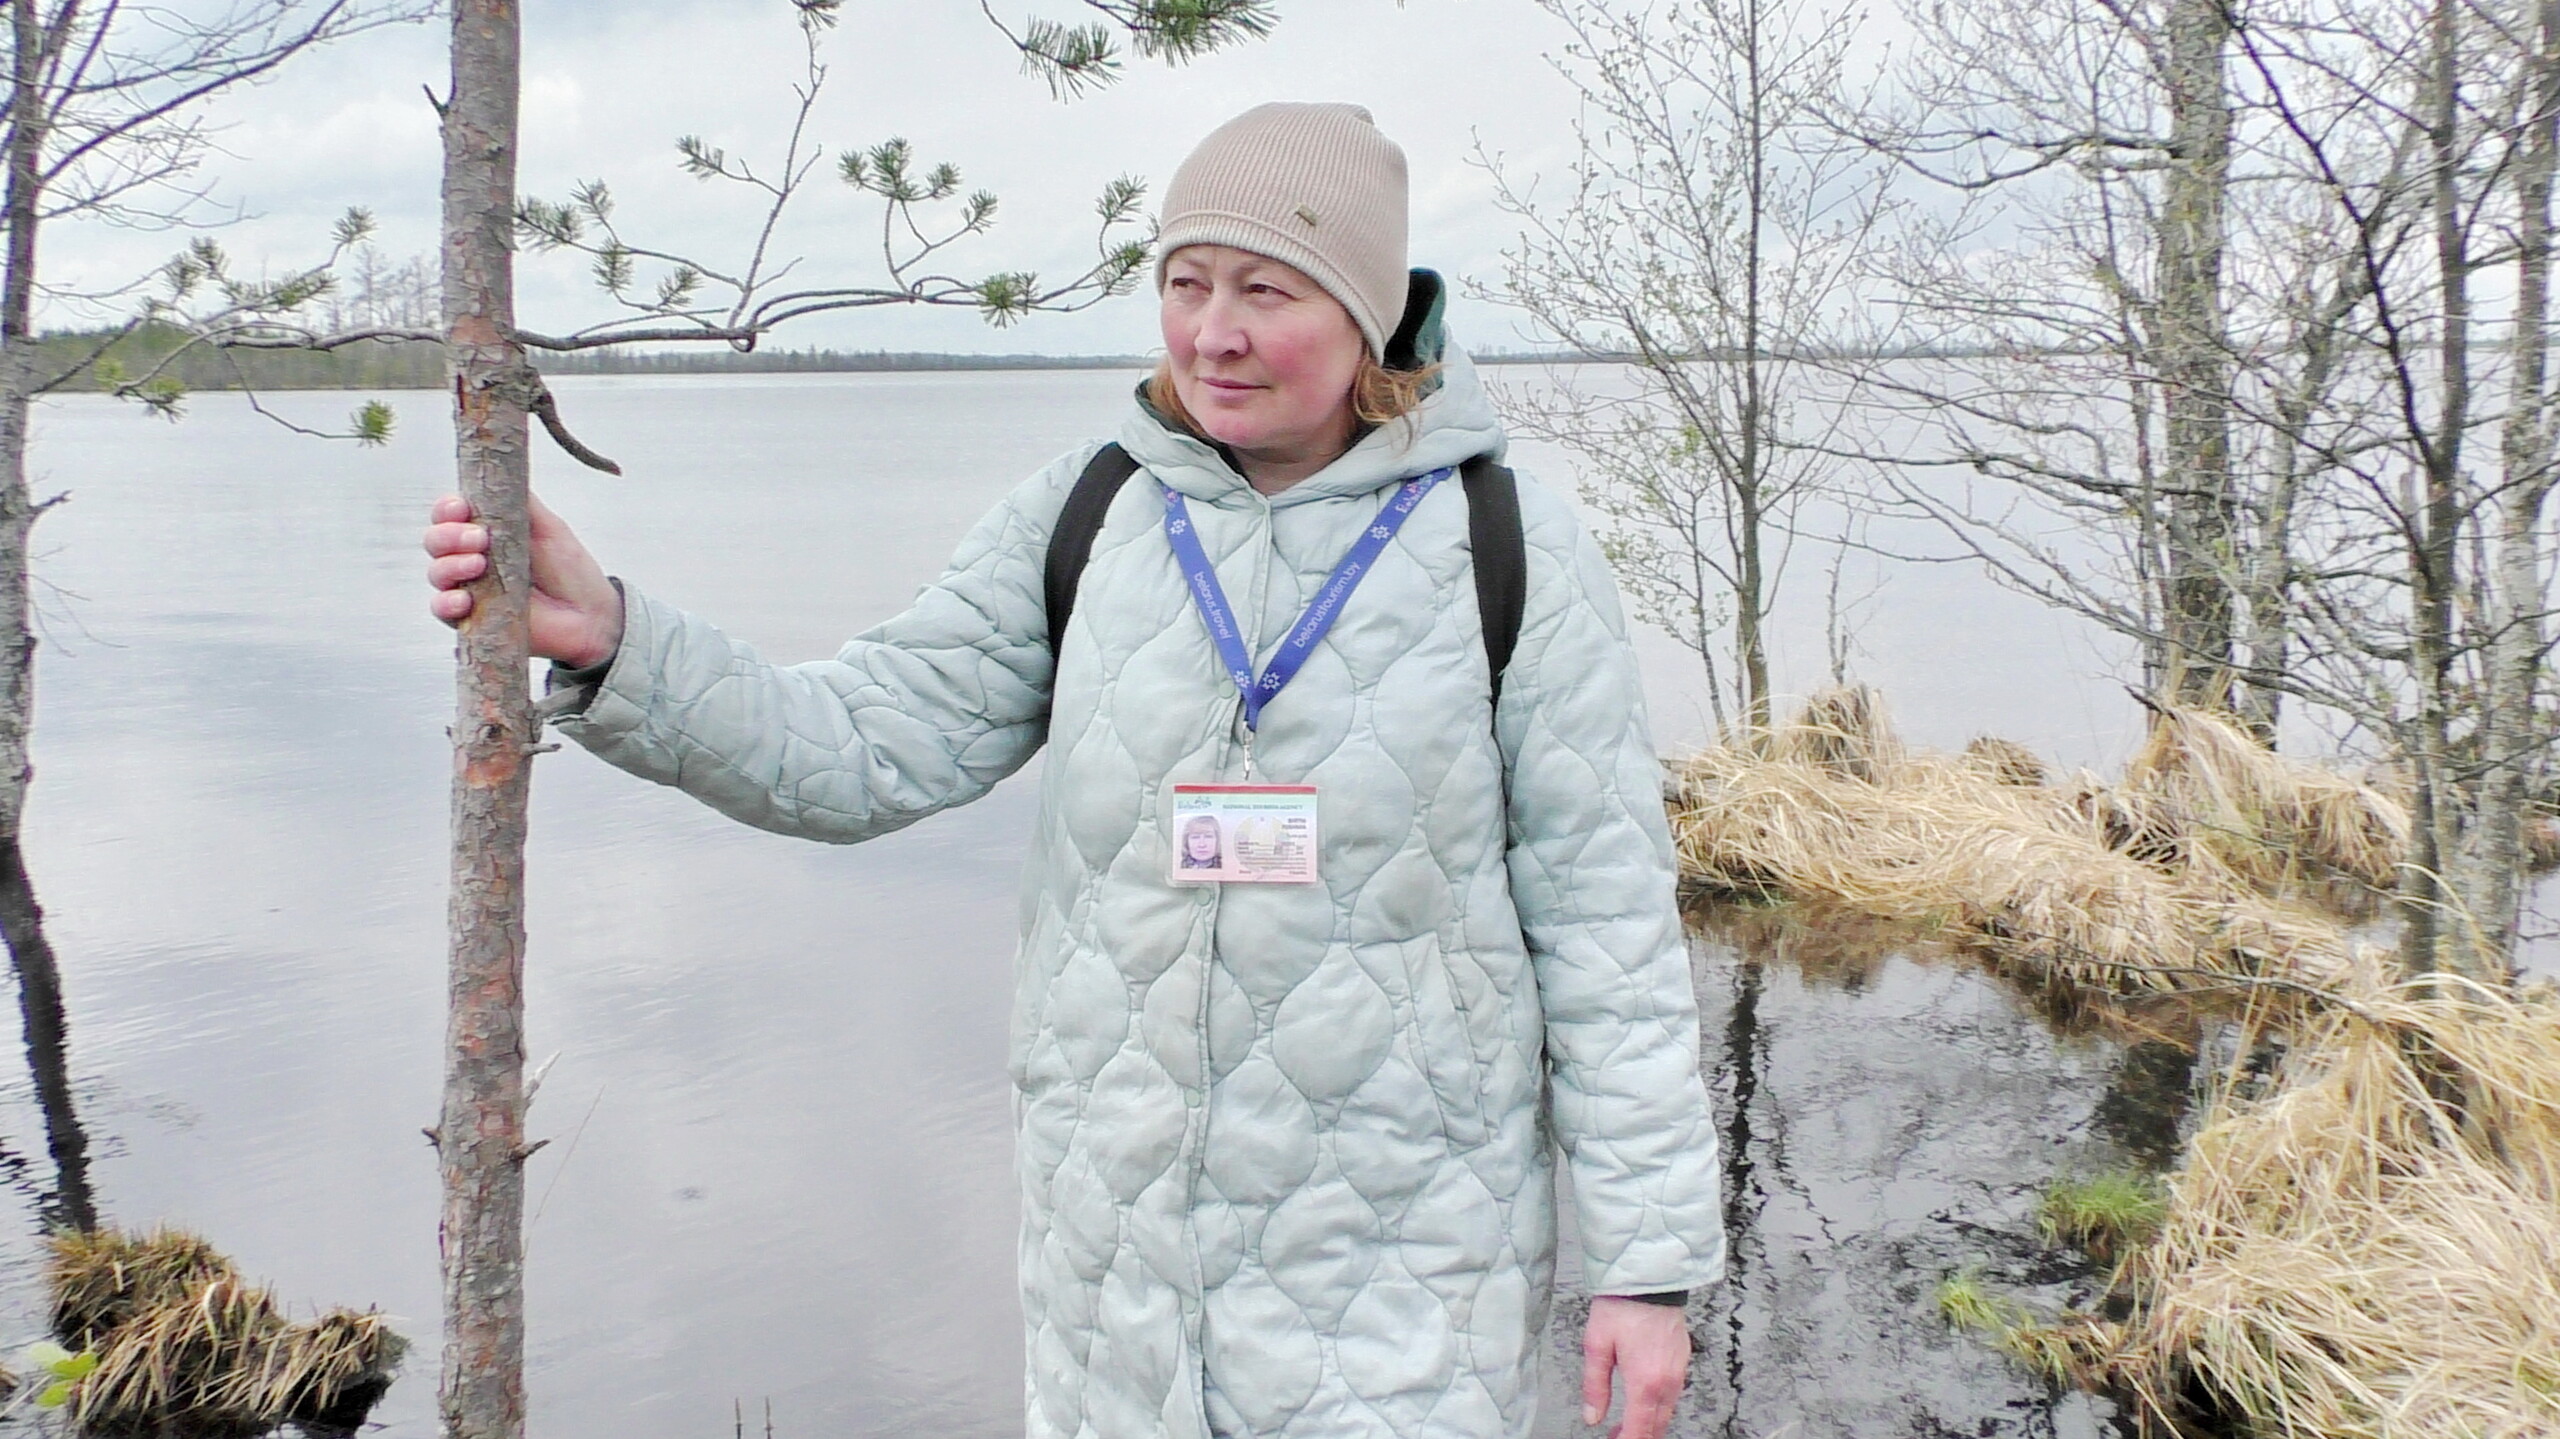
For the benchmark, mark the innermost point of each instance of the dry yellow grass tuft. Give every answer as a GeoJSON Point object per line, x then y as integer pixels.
{"type": "Point", "coordinates": [103, 1278]}
{"type": "Point", "coordinates": [2375, 1250]}
{"type": "Point", "coordinates": [1832, 807]}
{"type": "Point", "coordinates": [2007, 761]}
{"type": "Point", "coordinates": [2214, 796]}
{"type": "Point", "coordinates": [184, 1345]}
{"type": "Point", "coordinates": [1841, 730]}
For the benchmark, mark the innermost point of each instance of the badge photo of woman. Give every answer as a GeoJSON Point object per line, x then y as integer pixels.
{"type": "Point", "coordinates": [1201, 848]}
{"type": "Point", "coordinates": [1289, 1154]}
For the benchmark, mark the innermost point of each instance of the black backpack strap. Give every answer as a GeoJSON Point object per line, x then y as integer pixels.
{"type": "Point", "coordinates": [1493, 535]}
{"type": "Point", "coordinates": [1501, 558]}
{"type": "Point", "coordinates": [1071, 543]}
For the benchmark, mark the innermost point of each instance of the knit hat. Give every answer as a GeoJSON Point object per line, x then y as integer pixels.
{"type": "Point", "coordinates": [1310, 185]}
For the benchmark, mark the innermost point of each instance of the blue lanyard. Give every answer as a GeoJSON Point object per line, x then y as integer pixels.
{"type": "Point", "coordinates": [1301, 641]}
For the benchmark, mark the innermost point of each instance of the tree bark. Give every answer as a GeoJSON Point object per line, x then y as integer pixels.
{"type": "Point", "coordinates": [2513, 733]}
{"type": "Point", "coordinates": [20, 214]}
{"type": "Point", "coordinates": [1750, 480]}
{"type": "Point", "coordinates": [480, 1138]}
{"type": "Point", "coordinates": [21, 920]}
{"type": "Point", "coordinates": [2436, 933]}
{"type": "Point", "coordinates": [2194, 361]}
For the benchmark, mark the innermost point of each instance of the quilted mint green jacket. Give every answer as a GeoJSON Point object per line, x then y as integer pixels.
{"type": "Point", "coordinates": [1286, 1152]}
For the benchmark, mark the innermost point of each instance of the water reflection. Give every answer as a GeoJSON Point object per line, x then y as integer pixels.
{"type": "Point", "coordinates": [1744, 1203]}
{"type": "Point", "coordinates": [2145, 1109]}
{"type": "Point", "coordinates": [67, 1204]}
{"type": "Point", "coordinates": [1892, 1114]}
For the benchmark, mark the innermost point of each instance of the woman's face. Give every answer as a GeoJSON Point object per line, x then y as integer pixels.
{"type": "Point", "coordinates": [1202, 842]}
{"type": "Point", "coordinates": [1262, 357]}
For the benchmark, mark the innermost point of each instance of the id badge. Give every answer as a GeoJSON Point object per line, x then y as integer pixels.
{"type": "Point", "coordinates": [1244, 834]}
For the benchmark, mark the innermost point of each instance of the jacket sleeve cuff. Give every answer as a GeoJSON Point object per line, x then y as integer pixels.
{"type": "Point", "coordinates": [1668, 1298]}
{"type": "Point", "coordinates": [567, 692]}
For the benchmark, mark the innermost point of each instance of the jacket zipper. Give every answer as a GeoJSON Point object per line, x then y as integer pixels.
{"type": "Point", "coordinates": [1233, 739]}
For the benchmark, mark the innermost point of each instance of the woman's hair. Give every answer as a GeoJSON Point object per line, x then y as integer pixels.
{"type": "Point", "coordinates": [1201, 824]}
{"type": "Point", "coordinates": [1378, 394]}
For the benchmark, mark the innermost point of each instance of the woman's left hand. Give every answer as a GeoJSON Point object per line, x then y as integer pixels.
{"type": "Point", "coordinates": [1647, 1346]}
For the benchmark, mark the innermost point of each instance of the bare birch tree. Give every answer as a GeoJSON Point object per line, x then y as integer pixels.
{"type": "Point", "coordinates": [2427, 619]}
{"type": "Point", "coordinates": [2278, 432]}
{"type": "Point", "coordinates": [2516, 733]}
{"type": "Point", "coordinates": [102, 122]}
{"type": "Point", "coordinates": [1708, 232]}
{"type": "Point", "coordinates": [2070, 285]}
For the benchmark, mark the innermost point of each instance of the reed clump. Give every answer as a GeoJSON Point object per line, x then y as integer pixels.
{"type": "Point", "coordinates": [2078, 883]}
{"type": "Point", "coordinates": [2370, 1251]}
{"type": "Point", "coordinates": [186, 1346]}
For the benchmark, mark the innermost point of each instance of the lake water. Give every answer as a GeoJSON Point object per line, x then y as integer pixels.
{"type": "Point", "coordinates": [779, 1167]}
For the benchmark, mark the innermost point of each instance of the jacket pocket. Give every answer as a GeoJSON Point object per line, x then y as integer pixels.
{"type": "Point", "coordinates": [1444, 1042]}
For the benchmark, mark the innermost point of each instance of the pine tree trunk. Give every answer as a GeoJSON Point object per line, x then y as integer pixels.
{"type": "Point", "coordinates": [2194, 365]}
{"type": "Point", "coordinates": [480, 1138]}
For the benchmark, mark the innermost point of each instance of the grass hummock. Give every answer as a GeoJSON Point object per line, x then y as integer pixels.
{"type": "Point", "coordinates": [2369, 1252]}
{"type": "Point", "coordinates": [186, 1346]}
{"type": "Point", "coordinates": [2131, 888]}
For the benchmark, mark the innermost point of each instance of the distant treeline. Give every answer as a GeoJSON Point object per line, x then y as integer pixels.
{"type": "Point", "coordinates": [413, 365]}
{"type": "Point", "coordinates": [367, 365]}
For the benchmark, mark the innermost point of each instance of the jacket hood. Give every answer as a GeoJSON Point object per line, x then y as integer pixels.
{"type": "Point", "coordinates": [1454, 424]}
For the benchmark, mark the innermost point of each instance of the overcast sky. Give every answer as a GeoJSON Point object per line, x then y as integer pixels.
{"type": "Point", "coordinates": [610, 84]}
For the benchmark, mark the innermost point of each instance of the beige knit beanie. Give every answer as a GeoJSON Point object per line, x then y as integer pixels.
{"type": "Point", "coordinates": [1310, 185]}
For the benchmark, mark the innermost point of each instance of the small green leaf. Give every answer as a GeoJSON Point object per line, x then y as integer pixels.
{"type": "Point", "coordinates": [55, 1395]}
{"type": "Point", "coordinates": [76, 1368]}
{"type": "Point", "coordinates": [44, 1354]}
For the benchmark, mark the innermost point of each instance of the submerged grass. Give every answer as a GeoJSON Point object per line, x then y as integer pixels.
{"type": "Point", "coordinates": [2075, 1349]}
{"type": "Point", "coordinates": [2367, 1249]}
{"type": "Point", "coordinates": [186, 1346]}
{"type": "Point", "coordinates": [2107, 1215]}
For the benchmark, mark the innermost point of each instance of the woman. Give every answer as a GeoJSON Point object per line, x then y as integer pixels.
{"type": "Point", "coordinates": [1285, 1148]}
{"type": "Point", "coordinates": [1201, 846]}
